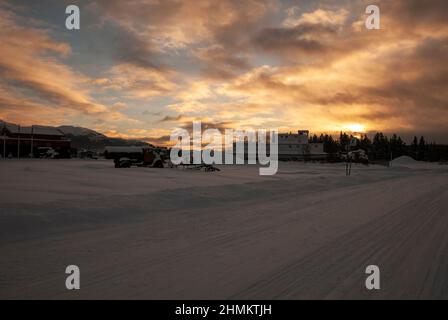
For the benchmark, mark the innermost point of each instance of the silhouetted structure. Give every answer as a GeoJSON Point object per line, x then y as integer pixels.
{"type": "Point", "coordinates": [17, 141]}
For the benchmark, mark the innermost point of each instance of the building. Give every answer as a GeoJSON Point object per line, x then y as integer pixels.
{"type": "Point", "coordinates": [33, 141]}
{"type": "Point", "coordinates": [291, 146]}
{"type": "Point", "coordinates": [296, 146]}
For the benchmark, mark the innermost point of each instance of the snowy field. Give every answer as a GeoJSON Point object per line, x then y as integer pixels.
{"type": "Point", "coordinates": [307, 232]}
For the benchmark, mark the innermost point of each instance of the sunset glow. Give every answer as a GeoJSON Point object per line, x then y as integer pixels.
{"type": "Point", "coordinates": [355, 128]}
{"type": "Point", "coordinates": [139, 69]}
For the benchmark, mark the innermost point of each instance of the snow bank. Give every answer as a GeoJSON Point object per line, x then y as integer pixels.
{"type": "Point", "coordinates": [404, 160]}
{"type": "Point", "coordinates": [408, 162]}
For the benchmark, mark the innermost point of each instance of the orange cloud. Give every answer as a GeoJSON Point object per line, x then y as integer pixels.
{"type": "Point", "coordinates": [35, 80]}
{"type": "Point", "coordinates": [253, 63]}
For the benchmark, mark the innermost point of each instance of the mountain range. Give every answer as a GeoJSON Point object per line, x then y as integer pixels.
{"type": "Point", "coordinates": [84, 138]}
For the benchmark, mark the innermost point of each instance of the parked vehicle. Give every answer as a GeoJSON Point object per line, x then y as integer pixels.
{"type": "Point", "coordinates": [125, 157]}
{"type": "Point", "coordinates": [47, 152]}
{"type": "Point", "coordinates": [87, 154]}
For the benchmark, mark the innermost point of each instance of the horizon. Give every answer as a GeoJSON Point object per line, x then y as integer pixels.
{"type": "Point", "coordinates": [139, 69]}
{"type": "Point", "coordinates": [164, 142]}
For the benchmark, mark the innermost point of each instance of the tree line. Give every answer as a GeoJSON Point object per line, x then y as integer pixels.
{"type": "Point", "coordinates": [382, 147]}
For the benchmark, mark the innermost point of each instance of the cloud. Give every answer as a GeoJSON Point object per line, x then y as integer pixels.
{"type": "Point", "coordinates": [174, 23]}
{"type": "Point", "coordinates": [305, 39]}
{"type": "Point", "coordinates": [255, 63]}
{"type": "Point", "coordinates": [132, 49]}
{"type": "Point", "coordinates": [221, 63]}
{"type": "Point", "coordinates": [34, 77]}
{"type": "Point", "coordinates": [317, 17]}
{"type": "Point", "coordinates": [309, 37]}
{"type": "Point", "coordinates": [216, 33]}
{"type": "Point", "coordinates": [172, 118]}
{"type": "Point", "coordinates": [414, 15]}
{"type": "Point", "coordinates": [133, 81]}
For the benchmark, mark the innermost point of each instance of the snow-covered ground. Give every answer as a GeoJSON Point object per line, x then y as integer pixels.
{"type": "Point", "coordinates": [307, 232]}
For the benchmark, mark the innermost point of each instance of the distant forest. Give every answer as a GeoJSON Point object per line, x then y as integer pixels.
{"type": "Point", "coordinates": [382, 147]}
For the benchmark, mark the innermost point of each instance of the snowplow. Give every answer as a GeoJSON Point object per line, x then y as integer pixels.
{"type": "Point", "coordinates": [126, 157]}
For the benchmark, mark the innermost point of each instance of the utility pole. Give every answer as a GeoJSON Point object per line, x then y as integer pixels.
{"type": "Point", "coordinates": [4, 146]}
{"type": "Point", "coordinates": [348, 164]}
{"type": "Point", "coordinates": [3, 133]}
{"type": "Point", "coordinates": [18, 144]}
{"type": "Point", "coordinates": [32, 140]}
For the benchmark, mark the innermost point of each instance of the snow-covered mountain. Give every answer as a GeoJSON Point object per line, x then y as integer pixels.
{"type": "Point", "coordinates": [84, 138]}
{"type": "Point", "coordinates": [79, 131]}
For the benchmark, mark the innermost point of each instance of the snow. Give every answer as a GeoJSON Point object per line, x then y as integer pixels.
{"type": "Point", "coordinates": [307, 232]}
{"type": "Point", "coordinates": [404, 160]}
{"type": "Point", "coordinates": [13, 128]}
{"type": "Point", "coordinates": [78, 131]}
{"type": "Point", "coordinates": [410, 163]}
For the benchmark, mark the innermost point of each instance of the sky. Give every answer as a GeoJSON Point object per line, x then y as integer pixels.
{"type": "Point", "coordinates": [141, 68]}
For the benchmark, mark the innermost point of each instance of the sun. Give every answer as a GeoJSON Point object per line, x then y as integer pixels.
{"type": "Point", "coordinates": [355, 127]}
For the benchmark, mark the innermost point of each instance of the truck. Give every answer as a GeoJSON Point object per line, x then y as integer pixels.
{"type": "Point", "coordinates": [141, 156]}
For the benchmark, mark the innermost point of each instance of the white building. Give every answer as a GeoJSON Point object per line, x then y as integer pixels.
{"type": "Point", "coordinates": [296, 146]}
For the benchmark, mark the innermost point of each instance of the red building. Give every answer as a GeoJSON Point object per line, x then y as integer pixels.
{"type": "Point", "coordinates": [33, 141]}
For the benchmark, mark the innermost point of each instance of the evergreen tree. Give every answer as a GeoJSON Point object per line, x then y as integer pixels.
{"type": "Point", "coordinates": [414, 148]}
{"type": "Point", "coordinates": [365, 143]}
{"type": "Point", "coordinates": [421, 149]}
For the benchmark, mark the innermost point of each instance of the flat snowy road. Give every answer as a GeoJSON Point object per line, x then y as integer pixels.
{"type": "Point", "coordinates": [308, 232]}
